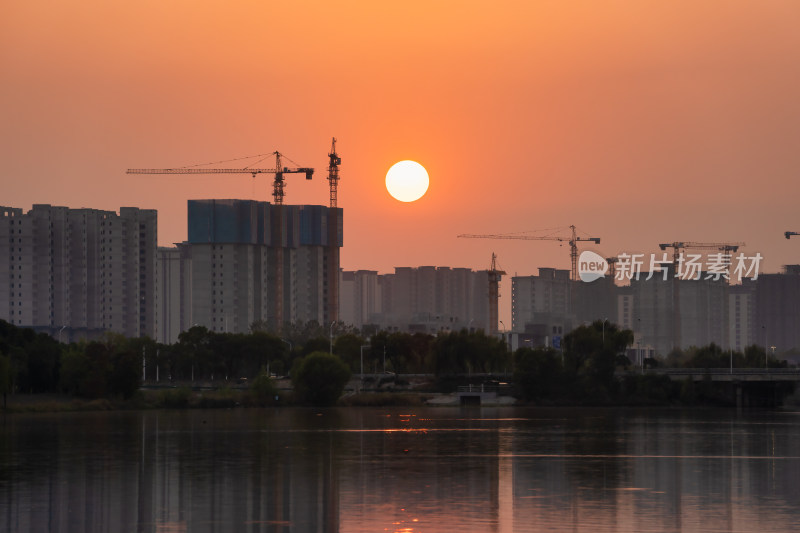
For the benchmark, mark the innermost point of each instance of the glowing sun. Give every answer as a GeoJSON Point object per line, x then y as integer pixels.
{"type": "Point", "coordinates": [407, 181]}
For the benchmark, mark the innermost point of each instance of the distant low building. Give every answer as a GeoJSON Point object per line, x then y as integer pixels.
{"type": "Point", "coordinates": [426, 299]}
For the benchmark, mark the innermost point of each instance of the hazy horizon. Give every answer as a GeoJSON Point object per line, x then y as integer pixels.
{"type": "Point", "coordinates": [639, 123]}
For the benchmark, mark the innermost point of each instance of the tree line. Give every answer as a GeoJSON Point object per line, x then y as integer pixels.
{"type": "Point", "coordinates": [585, 369]}
{"type": "Point", "coordinates": [33, 362]}
{"type": "Point", "coordinates": [591, 369]}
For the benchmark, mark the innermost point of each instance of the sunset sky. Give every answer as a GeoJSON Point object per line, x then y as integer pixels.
{"type": "Point", "coordinates": [639, 122]}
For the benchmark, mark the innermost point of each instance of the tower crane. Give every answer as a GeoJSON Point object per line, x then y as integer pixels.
{"type": "Point", "coordinates": [277, 184]}
{"type": "Point", "coordinates": [494, 294]}
{"type": "Point", "coordinates": [679, 246]}
{"type": "Point", "coordinates": [573, 241]}
{"type": "Point", "coordinates": [677, 250]}
{"type": "Point", "coordinates": [788, 234]}
{"type": "Point", "coordinates": [333, 172]}
{"type": "Point", "coordinates": [277, 195]}
{"type": "Point", "coordinates": [333, 235]}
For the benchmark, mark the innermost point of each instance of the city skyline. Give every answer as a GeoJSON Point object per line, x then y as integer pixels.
{"type": "Point", "coordinates": [639, 124]}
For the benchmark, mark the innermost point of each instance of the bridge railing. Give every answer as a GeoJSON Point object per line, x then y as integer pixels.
{"type": "Point", "coordinates": [729, 371]}
{"type": "Point", "coordinates": [502, 388]}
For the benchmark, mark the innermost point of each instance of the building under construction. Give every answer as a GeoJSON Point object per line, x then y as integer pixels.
{"type": "Point", "coordinates": [229, 264]}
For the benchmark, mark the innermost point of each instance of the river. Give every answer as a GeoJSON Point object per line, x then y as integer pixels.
{"type": "Point", "coordinates": [405, 470]}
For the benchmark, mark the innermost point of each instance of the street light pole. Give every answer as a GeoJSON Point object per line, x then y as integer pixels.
{"type": "Point", "coordinates": [362, 364]}
{"type": "Point", "coordinates": [604, 332]}
{"type": "Point", "coordinates": [331, 332]}
{"type": "Point", "coordinates": [290, 354]}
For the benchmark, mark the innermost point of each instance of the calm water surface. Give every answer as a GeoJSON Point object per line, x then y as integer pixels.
{"type": "Point", "coordinates": [401, 470]}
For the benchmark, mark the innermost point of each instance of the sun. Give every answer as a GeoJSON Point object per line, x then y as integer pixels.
{"type": "Point", "coordinates": [407, 181]}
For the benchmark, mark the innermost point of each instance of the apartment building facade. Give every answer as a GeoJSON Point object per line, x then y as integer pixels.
{"type": "Point", "coordinates": [79, 272]}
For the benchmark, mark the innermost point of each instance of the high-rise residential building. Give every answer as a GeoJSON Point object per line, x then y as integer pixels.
{"type": "Point", "coordinates": [230, 272]}
{"type": "Point", "coordinates": [79, 272]}
{"type": "Point", "coordinates": [550, 305]}
{"type": "Point", "coordinates": [776, 316]}
{"type": "Point", "coordinates": [741, 310]}
{"type": "Point", "coordinates": [702, 314]}
{"type": "Point", "coordinates": [168, 308]}
{"type": "Point", "coordinates": [426, 299]}
{"type": "Point", "coordinates": [542, 305]}
{"type": "Point", "coordinates": [360, 300]}
{"type": "Point", "coordinates": [596, 300]}
{"type": "Point", "coordinates": [625, 308]}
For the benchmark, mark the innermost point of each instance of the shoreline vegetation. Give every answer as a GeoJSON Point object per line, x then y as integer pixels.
{"type": "Point", "coordinates": [225, 370]}
{"type": "Point", "coordinates": [184, 397]}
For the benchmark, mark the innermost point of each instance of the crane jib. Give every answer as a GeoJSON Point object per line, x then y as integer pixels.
{"type": "Point", "coordinates": [309, 172]}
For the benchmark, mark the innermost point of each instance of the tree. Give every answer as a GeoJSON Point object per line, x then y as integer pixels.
{"type": "Point", "coordinates": [260, 350]}
{"type": "Point", "coordinates": [538, 373]}
{"type": "Point", "coordinates": [19, 369]}
{"type": "Point", "coordinates": [754, 356]}
{"type": "Point", "coordinates": [147, 347]}
{"type": "Point", "coordinates": [95, 382]}
{"type": "Point", "coordinates": [262, 388]}
{"type": "Point", "coordinates": [348, 348]}
{"type": "Point", "coordinates": [319, 379]}
{"type": "Point", "coordinates": [590, 354]}
{"type": "Point", "coordinates": [315, 344]}
{"type": "Point", "coordinates": [43, 355]}
{"type": "Point", "coordinates": [227, 351]}
{"type": "Point", "coordinates": [74, 369]}
{"type": "Point", "coordinates": [126, 373]}
{"type": "Point", "coordinates": [193, 354]}
{"type": "Point", "coordinates": [407, 353]}
{"type": "Point", "coordinates": [5, 377]}
{"type": "Point", "coordinates": [462, 352]}
{"type": "Point", "coordinates": [710, 356]}
{"type": "Point", "coordinates": [261, 326]}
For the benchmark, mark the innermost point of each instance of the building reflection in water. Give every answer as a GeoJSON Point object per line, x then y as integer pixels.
{"type": "Point", "coordinates": [302, 470]}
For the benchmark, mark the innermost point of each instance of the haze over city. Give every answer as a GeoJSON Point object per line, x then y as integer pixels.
{"type": "Point", "coordinates": [640, 123]}
{"type": "Point", "coordinates": [179, 357]}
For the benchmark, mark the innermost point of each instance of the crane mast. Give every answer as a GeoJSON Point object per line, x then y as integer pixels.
{"type": "Point", "coordinates": [333, 172]}
{"type": "Point", "coordinates": [494, 295]}
{"type": "Point", "coordinates": [333, 234]}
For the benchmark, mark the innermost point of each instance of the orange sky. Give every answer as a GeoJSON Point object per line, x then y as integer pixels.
{"type": "Point", "coordinates": [639, 122]}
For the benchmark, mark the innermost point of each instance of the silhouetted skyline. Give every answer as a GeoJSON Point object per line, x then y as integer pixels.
{"type": "Point", "coordinates": [638, 123]}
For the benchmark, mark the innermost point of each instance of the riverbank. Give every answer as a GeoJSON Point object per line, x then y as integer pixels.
{"type": "Point", "coordinates": [186, 398]}
{"type": "Point", "coordinates": [239, 395]}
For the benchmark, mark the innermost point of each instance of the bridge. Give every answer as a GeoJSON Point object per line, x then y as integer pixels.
{"type": "Point", "coordinates": [728, 374]}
